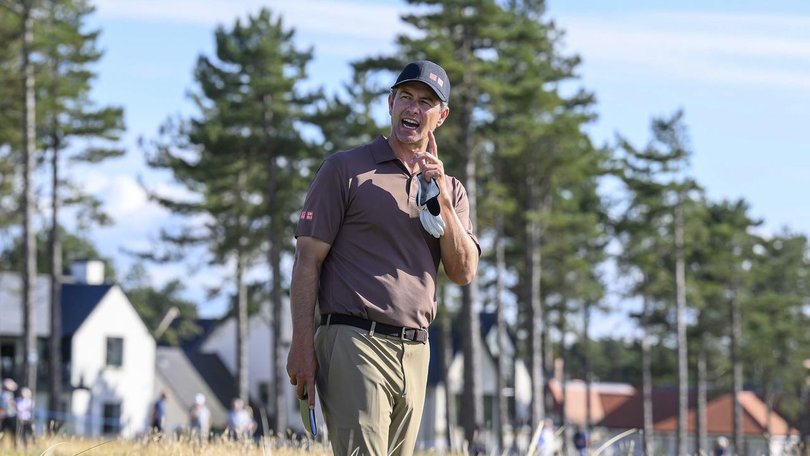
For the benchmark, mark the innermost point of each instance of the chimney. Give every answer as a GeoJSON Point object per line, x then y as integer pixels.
{"type": "Point", "coordinates": [89, 272]}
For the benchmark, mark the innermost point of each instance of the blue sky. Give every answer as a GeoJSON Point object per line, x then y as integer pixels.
{"type": "Point", "coordinates": [740, 71]}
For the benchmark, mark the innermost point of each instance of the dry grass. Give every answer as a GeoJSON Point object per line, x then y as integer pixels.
{"type": "Point", "coordinates": [71, 446]}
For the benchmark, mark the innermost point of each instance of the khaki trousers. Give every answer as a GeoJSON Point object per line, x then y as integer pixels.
{"type": "Point", "coordinates": [372, 390]}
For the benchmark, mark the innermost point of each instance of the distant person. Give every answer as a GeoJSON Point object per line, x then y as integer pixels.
{"type": "Point", "coordinates": [25, 415]}
{"type": "Point", "coordinates": [547, 442]}
{"type": "Point", "coordinates": [199, 419]}
{"type": "Point", "coordinates": [249, 429]}
{"type": "Point", "coordinates": [721, 446]}
{"type": "Point", "coordinates": [8, 408]}
{"type": "Point", "coordinates": [239, 423]}
{"type": "Point", "coordinates": [580, 441]}
{"type": "Point", "coordinates": [159, 413]}
{"type": "Point", "coordinates": [478, 446]}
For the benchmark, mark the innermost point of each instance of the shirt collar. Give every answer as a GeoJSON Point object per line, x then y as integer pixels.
{"type": "Point", "coordinates": [381, 150]}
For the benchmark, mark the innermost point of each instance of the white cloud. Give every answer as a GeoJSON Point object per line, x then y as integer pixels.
{"type": "Point", "coordinates": [124, 196]}
{"type": "Point", "coordinates": [355, 20]}
{"type": "Point", "coordinates": [737, 49]}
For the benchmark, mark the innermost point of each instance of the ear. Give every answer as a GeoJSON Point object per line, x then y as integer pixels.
{"type": "Point", "coordinates": [390, 103]}
{"type": "Point", "coordinates": [443, 116]}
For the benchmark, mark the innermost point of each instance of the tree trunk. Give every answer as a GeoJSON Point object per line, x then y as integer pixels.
{"type": "Point", "coordinates": [280, 348]}
{"type": "Point", "coordinates": [680, 303]}
{"type": "Point", "coordinates": [737, 372]}
{"type": "Point", "coordinates": [472, 410]}
{"type": "Point", "coordinates": [29, 273]}
{"type": "Point", "coordinates": [586, 341]}
{"type": "Point", "coordinates": [646, 379]}
{"type": "Point", "coordinates": [563, 405]}
{"type": "Point", "coordinates": [241, 313]}
{"type": "Point", "coordinates": [471, 413]}
{"type": "Point", "coordinates": [536, 318]}
{"type": "Point", "coordinates": [55, 253]}
{"type": "Point", "coordinates": [501, 415]}
{"type": "Point", "coordinates": [451, 413]}
{"type": "Point", "coordinates": [280, 342]}
{"type": "Point", "coordinates": [769, 399]}
{"type": "Point", "coordinates": [702, 439]}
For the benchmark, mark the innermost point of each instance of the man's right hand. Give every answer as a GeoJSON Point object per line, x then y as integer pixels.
{"type": "Point", "coordinates": [302, 368]}
{"type": "Point", "coordinates": [301, 362]}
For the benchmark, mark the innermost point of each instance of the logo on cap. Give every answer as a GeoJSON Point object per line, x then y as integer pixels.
{"type": "Point", "coordinates": [437, 79]}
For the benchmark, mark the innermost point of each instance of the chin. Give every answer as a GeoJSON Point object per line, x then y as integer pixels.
{"type": "Point", "coordinates": [411, 136]}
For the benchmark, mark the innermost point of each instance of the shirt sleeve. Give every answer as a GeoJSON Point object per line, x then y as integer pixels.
{"type": "Point", "coordinates": [325, 203]}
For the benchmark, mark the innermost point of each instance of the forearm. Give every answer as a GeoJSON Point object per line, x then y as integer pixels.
{"type": "Point", "coordinates": [459, 252]}
{"type": "Point", "coordinates": [303, 297]}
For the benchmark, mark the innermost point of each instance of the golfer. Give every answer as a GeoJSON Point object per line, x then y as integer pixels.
{"type": "Point", "coordinates": [377, 221]}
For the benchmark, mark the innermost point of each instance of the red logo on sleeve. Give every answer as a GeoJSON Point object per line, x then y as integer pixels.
{"type": "Point", "coordinates": [305, 215]}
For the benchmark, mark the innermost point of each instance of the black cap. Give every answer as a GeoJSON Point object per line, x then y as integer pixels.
{"type": "Point", "coordinates": [428, 72]}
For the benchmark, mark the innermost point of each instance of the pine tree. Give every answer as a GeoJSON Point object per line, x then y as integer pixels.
{"type": "Point", "coordinates": [658, 193]}
{"type": "Point", "coordinates": [775, 343]}
{"type": "Point", "coordinates": [68, 114]}
{"type": "Point", "coordinates": [249, 165]}
{"type": "Point", "coordinates": [538, 132]}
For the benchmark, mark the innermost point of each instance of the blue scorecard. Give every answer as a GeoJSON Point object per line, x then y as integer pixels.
{"type": "Point", "coordinates": [308, 416]}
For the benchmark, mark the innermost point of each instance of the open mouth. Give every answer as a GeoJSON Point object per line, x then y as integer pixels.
{"type": "Point", "coordinates": [410, 124]}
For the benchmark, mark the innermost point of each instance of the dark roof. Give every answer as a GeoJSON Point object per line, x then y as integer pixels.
{"type": "Point", "coordinates": [215, 374]}
{"type": "Point", "coordinates": [78, 301]}
{"type": "Point", "coordinates": [438, 340]}
{"type": "Point", "coordinates": [192, 343]}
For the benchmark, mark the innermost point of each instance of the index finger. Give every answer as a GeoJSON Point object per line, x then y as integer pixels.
{"type": "Point", "coordinates": [311, 394]}
{"type": "Point", "coordinates": [432, 149]}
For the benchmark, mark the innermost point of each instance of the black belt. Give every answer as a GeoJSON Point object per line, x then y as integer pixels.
{"type": "Point", "coordinates": [412, 334]}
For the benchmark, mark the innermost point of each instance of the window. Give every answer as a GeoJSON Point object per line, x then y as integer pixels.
{"type": "Point", "coordinates": [112, 418]}
{"type": "Point", "coordinates": [115, 351]}
{"type": "Point", "coordinates": [7, 360]}
{"type": "Point", "coordinates": [264, 392]}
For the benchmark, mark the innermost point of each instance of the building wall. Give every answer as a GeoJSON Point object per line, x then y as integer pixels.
{"type": "Point", "coordinates": [131, 385]}
{"type": "Point", "coordinates": [11, 323]}
{"type": "Point", "coordinates": [222, 341]}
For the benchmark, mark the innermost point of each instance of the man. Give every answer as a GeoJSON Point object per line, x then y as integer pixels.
{"type": "Point", "coordinates": [200, 418]}
{"type": "Point", "coordinates": [368, 252]}
{"type": "Point", "coordinates": [8, 410]}
{"type": "Point", "coordinates": [159, 413]}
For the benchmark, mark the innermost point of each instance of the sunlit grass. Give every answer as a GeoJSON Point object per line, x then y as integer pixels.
{"type": "Point", "coordinates": [65, 445]}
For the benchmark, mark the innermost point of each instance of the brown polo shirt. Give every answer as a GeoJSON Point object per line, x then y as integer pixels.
{"type": "Point", "coordinates": [382, 264]}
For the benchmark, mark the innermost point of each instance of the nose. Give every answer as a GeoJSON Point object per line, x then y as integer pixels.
{"type": "Point", "coordinates": [412, 106]}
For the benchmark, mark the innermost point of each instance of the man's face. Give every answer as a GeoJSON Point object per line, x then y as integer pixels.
{"type": "Point", "coordinates": [415, 110]}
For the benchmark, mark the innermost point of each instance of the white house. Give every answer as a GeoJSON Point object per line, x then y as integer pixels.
{"type": "Point", "coordinates": [446, 382]}
{"type": "Point", "coordinates": [222, 341]}
{"type": "Point", "coordinates": [108, 352]}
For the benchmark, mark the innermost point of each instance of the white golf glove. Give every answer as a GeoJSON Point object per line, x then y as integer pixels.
{"type": "Point", "coordinates": [429, 210]}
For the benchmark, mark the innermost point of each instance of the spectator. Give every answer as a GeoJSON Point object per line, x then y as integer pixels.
{"type": "Point", "coordinates": [580, 441]}
{"type": "Point", "coordinates": [721, 446]}
{"type": "Point", "coordinates": [8, 408]}
{"type": "Point", "coordinates": [25, 415]}
{"type": "Point", "coordinates": [200, 418]}
{"type": "Point", "coordinates": [159, 413]}
{"type": "Point", "coordinates": [547, 443]}
{"type": "Point", "coordinates": [240, 423]}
